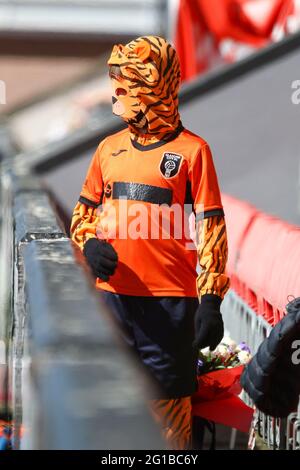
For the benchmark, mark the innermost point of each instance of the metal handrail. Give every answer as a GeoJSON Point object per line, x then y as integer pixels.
{"type": "Point", "coordinates": [243, 324]}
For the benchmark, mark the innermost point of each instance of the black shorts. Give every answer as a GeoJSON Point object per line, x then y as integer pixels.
{"type": "Point", "coordinates": [161, 331]}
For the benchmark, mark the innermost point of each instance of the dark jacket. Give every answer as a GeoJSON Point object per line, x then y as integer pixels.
{"type": "Point", "coordinates": [272, 378]}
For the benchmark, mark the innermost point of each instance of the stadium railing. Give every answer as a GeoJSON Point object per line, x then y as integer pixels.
{"type": "Point", "coordinates": [262, 265]}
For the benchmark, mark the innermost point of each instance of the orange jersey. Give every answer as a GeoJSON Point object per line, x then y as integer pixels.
{"type": "Point", "coordinates": [137, 189]}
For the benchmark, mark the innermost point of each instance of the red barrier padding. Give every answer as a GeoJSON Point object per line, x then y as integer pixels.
{"type": "Point", "coordinates": [284, 280]}
{"type": "Point", "coordinates": [239, 216]}
{"type": "Point", "coordinates": [267, 265]}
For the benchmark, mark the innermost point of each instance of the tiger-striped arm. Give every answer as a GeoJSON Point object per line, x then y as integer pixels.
{"type": "Point", "coordinates": [84, 224]}
{"type": "Point", "coordinates": [212, 251]}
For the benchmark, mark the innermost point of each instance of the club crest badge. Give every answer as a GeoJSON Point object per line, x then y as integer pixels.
{"type": "Point", "coordinates": [170, 164]}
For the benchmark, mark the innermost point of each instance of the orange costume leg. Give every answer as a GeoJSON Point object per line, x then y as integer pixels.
{"type": "Point", "coordinates": [175, 416]}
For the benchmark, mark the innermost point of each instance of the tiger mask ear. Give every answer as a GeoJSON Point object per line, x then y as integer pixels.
{"type": "Point", "coordinates": [143, 50]}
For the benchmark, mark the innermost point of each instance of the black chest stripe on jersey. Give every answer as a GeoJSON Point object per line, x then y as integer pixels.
{"type": "Point", "coordinates": [142, 192]}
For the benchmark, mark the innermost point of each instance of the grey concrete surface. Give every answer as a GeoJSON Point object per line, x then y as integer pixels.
{"type": "Point", "coordinates": [91, 392]}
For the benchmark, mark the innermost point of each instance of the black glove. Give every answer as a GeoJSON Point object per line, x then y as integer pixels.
{"type": "Point", "coordinates": [209, 327]}
{"type": "Point", "coordinates": [101, 256]}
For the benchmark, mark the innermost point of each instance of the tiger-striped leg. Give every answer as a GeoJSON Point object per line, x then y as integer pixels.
{"type": "Point", "coordinates": [174, 415]}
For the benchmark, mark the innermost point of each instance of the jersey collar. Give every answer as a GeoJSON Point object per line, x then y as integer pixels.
{"type": "Point", "coordinates": [159, 143]}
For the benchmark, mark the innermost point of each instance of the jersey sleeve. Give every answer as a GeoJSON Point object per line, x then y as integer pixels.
{"type": "Point", "coordinates": [212, 246]}
{"type": "Point", "coordinates": [204, 185]}
{"type": "Point", "coordinates": [212, 251]}
{"type": "Point", "coordinates": [85, 220]}
{"type": "Point", "coordinates": [92, 189]}
{"type": "Point", "coordinates": [84, 225]}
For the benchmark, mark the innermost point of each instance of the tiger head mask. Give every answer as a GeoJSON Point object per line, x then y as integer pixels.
{"type": "Point", "coordinates": [145, 77]}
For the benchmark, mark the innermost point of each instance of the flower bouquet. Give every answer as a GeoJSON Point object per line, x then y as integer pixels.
{"type": "Point", "coordinates": [219, 373]}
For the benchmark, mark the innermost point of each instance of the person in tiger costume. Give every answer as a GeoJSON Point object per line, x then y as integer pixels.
{"type": "Point", "coordinates": [150, 283]}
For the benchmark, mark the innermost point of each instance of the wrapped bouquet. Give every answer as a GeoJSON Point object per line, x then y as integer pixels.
{"type": "Point", "coordinates": [219, 373]}
{"type": "Point", "coordinates": [226, 356]}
